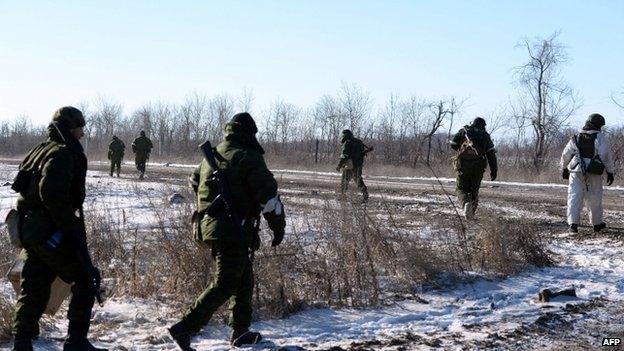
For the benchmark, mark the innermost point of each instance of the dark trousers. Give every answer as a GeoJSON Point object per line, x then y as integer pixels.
{"type": "Point", "coordinates": [40, 269]}
{"type": "Point", "coordinates": [233, 281]}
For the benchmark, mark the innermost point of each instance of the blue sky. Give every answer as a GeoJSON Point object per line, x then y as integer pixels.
{"type": "Point", "coordinates": [54, 53]}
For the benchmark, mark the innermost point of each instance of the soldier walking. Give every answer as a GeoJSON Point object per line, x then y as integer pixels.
{"type": "Point", "coordinates": [116, 150]}
{"type": "Point", "coordinates": [351, 162]}
{"type": "Point", "coordinates": [51, 183]}
{"type": "Point", "coordinates": [585, 159]}
{"type": "Point", "coordinates": [141, 146]}
{"type": "Point", "coordinates": [253, 190]}
{"type": "Point", "coordinates": [475, 150]}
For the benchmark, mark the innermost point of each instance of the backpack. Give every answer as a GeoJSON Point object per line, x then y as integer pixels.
{"type": "Point", "coordinates": [586, 149]}
{"type": "Point", "coordinates": [472, 147]}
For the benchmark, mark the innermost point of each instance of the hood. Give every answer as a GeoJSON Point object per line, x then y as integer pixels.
{"type": "Point", "coordinates": [57, 132]}
{"type": "Point", "coordinates": [233, 132]}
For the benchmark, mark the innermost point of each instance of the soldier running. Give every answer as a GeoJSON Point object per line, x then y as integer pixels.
{"type": "Point", "coordinates": [351, 163]}
{"type": "Point", "coordinates": [475, 150]}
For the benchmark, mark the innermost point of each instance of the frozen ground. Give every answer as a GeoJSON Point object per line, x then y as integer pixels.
{"type": "Point", "coordinates": [483, 313]}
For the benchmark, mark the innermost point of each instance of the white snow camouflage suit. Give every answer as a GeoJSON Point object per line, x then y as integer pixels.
{"type": "Point", "coordinates": [586, 187]}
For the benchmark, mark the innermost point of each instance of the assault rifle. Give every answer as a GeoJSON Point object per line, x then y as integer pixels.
{"type": "Point", "coordinates": [93, 274]}
{"type": "Point", "coordinates": [224, 199]}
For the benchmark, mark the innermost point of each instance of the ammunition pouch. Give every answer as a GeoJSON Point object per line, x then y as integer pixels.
{"type": "Point", "coordinates": [596, 166]}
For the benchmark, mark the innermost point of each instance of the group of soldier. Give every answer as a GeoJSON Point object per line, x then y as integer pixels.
{"type": "Point", "coordinates": [234, 189]}
{"type": "Point", "coordinates": [141, 147]}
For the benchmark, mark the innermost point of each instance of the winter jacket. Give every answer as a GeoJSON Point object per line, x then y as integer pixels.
{"type": "Point", "coordinates": [56, 186]}
{"type": "Point", "coordinates": [251, 186]}
{"type": "Point", "coordinates": [570, 158]}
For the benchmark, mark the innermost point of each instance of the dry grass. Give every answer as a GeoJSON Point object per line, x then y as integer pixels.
{"type": "Point", "coordinates": [509, 246]}
{"type": "Point", "coordinates": [6, 318]}
{"type": "Point", "coordinates": [344, 254]}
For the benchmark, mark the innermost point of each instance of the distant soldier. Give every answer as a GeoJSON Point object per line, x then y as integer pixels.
{"type": "Point", "coordinates": [141, 146]}
{"type": "Point", "coordinates": [253, 190]}
{"type": "Point", "coordinates": [116, 150]}
{"type": "Point", "coordinates": [351, 162]}
{"type": "Point", "coordinates": [51, 183]}
{"type": "Point", "coordinates": [475, 151]}
{"type": "Point", "coordinates": [584, 161]}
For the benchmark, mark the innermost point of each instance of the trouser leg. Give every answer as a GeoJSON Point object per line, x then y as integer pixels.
{"type": "Point", "coordinates": [346, 178]}
{"type": "Point", "coordinates": [240, 303]}
{"type": "Point", "coordinates": [576, 195]}
{"type": "Point", "coordinates": [360, 182]}
{"type": "Point", "coordinates": [230, 261]}
{"type": "Point", "coordinates": [33, 297]}
{"type": "Point", "coordinates": [594, 198]}
{"type": "Point", "coordinates": [475, 186]}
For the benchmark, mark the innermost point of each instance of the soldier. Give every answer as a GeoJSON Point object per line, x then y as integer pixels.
{"type": "Point", "coordinates": [51, 183]}
{"type": "Point", "coordinates": [253, 191]}
{"type": "Point", "coordinates": [116, 150]}
{"type": "Point", "coordinates": [141, 146]}
{"type": "Point", "coordinates": [475, 151]}
{"type": "Point", "coordinates": [585, 159]}
{"type": "Point", "coordinates": [351, 162]}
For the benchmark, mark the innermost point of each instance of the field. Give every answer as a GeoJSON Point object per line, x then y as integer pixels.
{"type": "Point", "coordinates": [401, 272]}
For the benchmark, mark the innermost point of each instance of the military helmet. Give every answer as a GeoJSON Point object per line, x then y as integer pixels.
{"type": "Point", "coordinates": [596, 120]}
{"type": "Point", "coordinates": [347, 132]}
{"type": "Point", "coordinates": [478, 122]}
{"type": "Point", "coordinates": [69, 117]}
{"type": "Point", "coordinates": [245, 122]}
{"type": "Point", "coordinates": [142, 133]}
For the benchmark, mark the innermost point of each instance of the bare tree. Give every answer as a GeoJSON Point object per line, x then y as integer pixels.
{"type": "Point", "coordinates": [618, 99]}
{"type": "Point", "coordinates": [545, 99]}
{"type": "Point", "coordinates": [355, 104]}
{"type": "Point", "coordinates": [413, 110]}
{"type": "Point", "coordinates": [220, 110]}
{"type": "Point", "coordinates": [245, 100]}
{"type": "Point", "coordinates": [439, 112]}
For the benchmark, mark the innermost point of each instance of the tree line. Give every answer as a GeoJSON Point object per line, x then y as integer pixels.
{"type": "Point", "coordinates": [406, 131]}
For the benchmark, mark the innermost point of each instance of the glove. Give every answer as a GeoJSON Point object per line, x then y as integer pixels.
{"type": "Point", "coordinates": [565, 174]}
{"type": "Point", "coordinates": [610, 177]}
{"type": "Point", "coordinates": [273, 212]}
{"type": "Point", "coordinates": [493, 175]}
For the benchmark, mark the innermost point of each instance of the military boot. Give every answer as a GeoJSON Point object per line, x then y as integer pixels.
{"type": "Point", "coordinates": [573, 228]}
{"type": "Point", "coordinates": [599, 227]}
{"type": "Point", "coordinates": [77, 339]}
{"type": "Point", "coordinates": [182, 336]}
{"type": "Point", "coordinates": [22, 345]}
{"type": "Point", "coordinates": [141, 175]}
{"type": "Point", "coordinates": [244, 337]}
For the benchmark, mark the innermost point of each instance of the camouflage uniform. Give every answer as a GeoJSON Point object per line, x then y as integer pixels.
{"type": "Point", "coordinates": [141, 146]}
{"type": "Point", "coordinates": [116, 150]}
{"type": "Point", "coordinates": [51, 183]}
{"type": "Point", "coordinates": [252, 188]}
{"type": "Point", "coordinates": [353, 151]}
{"type": "Point", "coordinates": [470, 162]}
